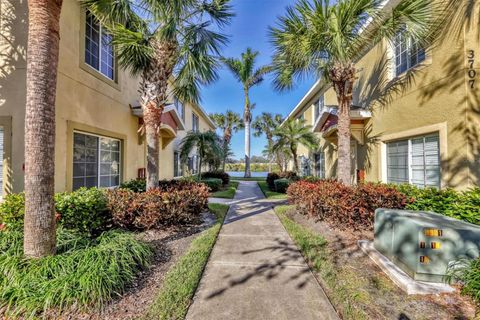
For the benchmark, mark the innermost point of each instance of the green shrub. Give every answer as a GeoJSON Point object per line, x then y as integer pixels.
{"type": "Point", "coordinates": [136, 185]}
{"type": "Point", "coordinates": [84, 210]}
{"type": "Point", "coordinates": [281, 185]}
{"type": "Point", "coordinates": [460, 205]}
{"type": "Point", "coordinates": [218, 175]}
{"type": "Point", "coordinates": [467, 271]}
{"type": "Point", "coordinates": [85, 272]}
{"type": "Point", "coordinates": [271, 177]}
{"type": "Point", "coordinates": [212, 183]}
{"type": "Point", "coordinates": [12, 210]}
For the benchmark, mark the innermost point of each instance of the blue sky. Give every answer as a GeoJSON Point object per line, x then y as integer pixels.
{"type": "Point", "coordinates": [249, 28]}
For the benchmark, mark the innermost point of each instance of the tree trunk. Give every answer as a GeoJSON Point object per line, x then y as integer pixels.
{"type": "Point", "coordinates": [152, 140]}
{"type": "Point", "coordinates": [42, 63]}
{"type": "Point", "coordinates": [247, 120]}
{"type": "Point", "coordinates": [153, 97]}
{"type": "Point", "coordinates": [343, 78]}
{"type": "Point", "coordinates": [295, 160]}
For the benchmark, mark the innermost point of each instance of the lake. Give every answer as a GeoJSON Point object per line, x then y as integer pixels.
{"type": "Point", "coordinates": [240, 174]}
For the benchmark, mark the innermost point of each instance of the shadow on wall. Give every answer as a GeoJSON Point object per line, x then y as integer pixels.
{"type": "Point", "coordinates": [465, 17]}
{"type": "Point", "coordinates": [376, 90]}
{"type": "Point", "coordinates": [13, 52]}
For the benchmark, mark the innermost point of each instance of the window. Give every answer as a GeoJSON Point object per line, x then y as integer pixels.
{"type": "Point", "coordinates": [193, 164]}
{"type": "Point", "coordinates": [318, 107]}
{"type": "Point", "coordinates": [180, 109]}
{"type": "Point", "coordinates": [177, 165]}
{"type": "Point", "coordinates": [301, 117]}
{"type": "Point", "coordinates": [99, 53]}
{"type": "Point", "coordinates": [319, 159]}
{"type": "Point", "coordinates": [96, 161]}
{"type": "Point", "coordinates": [195, 123]}
{"type": "Point", "coordinates": [415, 161]}
{"type": "Point", "coordinates": [408, 53]}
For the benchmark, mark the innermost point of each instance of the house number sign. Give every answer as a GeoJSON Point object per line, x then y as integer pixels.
{"type": "Point", "coordinates": [471, 71]}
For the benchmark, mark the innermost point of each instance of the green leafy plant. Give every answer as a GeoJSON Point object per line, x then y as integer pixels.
{"type": "Point", "coordinates": [281, 185]}
{"type": "Point", "coordinates": [213, 184]}
{"type": "Point", "coordinates": [85, 272]}
{"type": "Point", "coordinates": [217, 175]}
{"type": "Point", "coordinates": [12, 210]}
{"type": "Point", "coordinates": [136, 185]}
{"type": "Point", "coordinates": [84, 210]}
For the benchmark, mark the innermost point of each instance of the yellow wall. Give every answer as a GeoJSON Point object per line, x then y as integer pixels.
{"type": "Point", "coordinates": [434, 97]}
{"type": "Point", "coordinates": [85, 99]}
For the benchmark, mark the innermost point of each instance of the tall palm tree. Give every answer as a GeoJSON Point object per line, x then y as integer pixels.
{"type": "Point", "coordinates": [206, 145]}
{"type": "Point", "coordinates": [325, 39]}
{"type": "Point", "coordinates": [164, 41]}
{"type": "Point", "coordinates": [230, 123]}
{"type": "Point", "coordinates": [244, 71]}
{"type": "Point", "coordinates": [291, 134]}
{"type": "Point", "coordinates": [42, 63]}
{"type": "Point", "coordinates": [266, 124]}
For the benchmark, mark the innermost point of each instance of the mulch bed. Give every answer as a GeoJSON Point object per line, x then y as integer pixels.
{"type": "Point", "coordinates": [384, 299]}
{"type": "Point", "coordinates": [169, 245]}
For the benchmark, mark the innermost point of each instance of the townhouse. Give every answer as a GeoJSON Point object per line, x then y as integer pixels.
{"type": "Point", "coordinates": [416, 111]}
{"type": "Point", "coordinates": [97, 111]}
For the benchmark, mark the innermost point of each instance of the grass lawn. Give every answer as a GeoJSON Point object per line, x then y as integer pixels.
{"type": "Point", "coordinates": [248, 179]}
{"type": "Point", "coordinates": [341, 284]}
{"type": "Point", "coordinates": [269, 193]}
{"type": "Point", "coordinates": [227, 192]}
{"type": "Point", "coordinates": [181, 281]}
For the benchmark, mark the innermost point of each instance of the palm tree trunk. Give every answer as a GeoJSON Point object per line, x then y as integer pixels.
{"type": "Point", "coordinates": [295, 160]}
{"type": "Point", "coordinates": [154, 96]}
{"type": "Point", "coordinates": [152, 140]}
{"type": "Point", "coordinates": [247, 120]}
{"type": "Point", "coordinates": [42, 63]}
{"type": "Point", "coordinates": [343, 78]}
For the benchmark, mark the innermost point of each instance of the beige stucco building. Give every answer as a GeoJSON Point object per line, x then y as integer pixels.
{"type": "Point", "coordinates": [415, 114]}
{"type": "Point", "coordinates": [97, 122]}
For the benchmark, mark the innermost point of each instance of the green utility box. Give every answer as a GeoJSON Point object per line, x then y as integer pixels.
{"type": "Point", "coordinates": [424, 244]}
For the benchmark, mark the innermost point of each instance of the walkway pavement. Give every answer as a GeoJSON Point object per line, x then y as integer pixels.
{"type": "Point", "coordinates": [255, 270]}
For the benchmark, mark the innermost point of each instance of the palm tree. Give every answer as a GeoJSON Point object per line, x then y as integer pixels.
{"type": "Point", "coordinates": [266, 124]}
{"type": "Point", "coordinates": [42, 63]}
{"type": "Point", "coordinates": [290, 134]}
{"type": "Point", "coordinates": [206, 145]}
{"type": "Point", "coordinates": [244, 71]}
{"type": "Point", "coordinates": [325, 39]}
{"type": "Point", "coordinates": [164, 41]}
{"type": "Point", "coordinates": [230, 123]}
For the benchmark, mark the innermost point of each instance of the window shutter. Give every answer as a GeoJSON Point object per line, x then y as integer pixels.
{"type": "Point", "coordinates": [432, 161]}
{"type": "Point", "coordinates": [397, 162]}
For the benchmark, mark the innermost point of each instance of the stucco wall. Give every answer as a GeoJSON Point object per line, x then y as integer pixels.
{"type": "Point", "coordinates": [435, 97]}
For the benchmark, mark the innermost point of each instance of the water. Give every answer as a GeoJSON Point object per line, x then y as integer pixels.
{"type": "Point", "coordinates": [240, 174]}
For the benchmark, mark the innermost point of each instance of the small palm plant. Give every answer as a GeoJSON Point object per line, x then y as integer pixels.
{"type": "Point", "coordinates": [292, 133]}
{"type": "Point", "coordinates": [244, 71]}
{"type": "Point", "coordinates": [230, 123]}
{"type": "Point", "coordinates": [266, 124]}
{"type": "Point", "coordinates": [164, 42]}
{"type": "Point", "coordinates": [206, 144]}
{"type": "Point", "coordinates": [324, 39]}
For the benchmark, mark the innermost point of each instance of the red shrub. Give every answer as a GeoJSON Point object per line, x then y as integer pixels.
{"type": "Point", "coordinates": [343, 206]}
{"type": "Point", "coordinates": [172, 204]}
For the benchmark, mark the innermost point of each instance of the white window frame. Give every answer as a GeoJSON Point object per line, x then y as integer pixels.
{"type": "Point", "coordinates": [101, 32]}
{"type": "Point", "coordinates": [410, 157]}
{"type": "Point", "coordinates": [195, 122]}
{"type": "Point", "coordinates": [409, 52]}
{"type": "Point", "coordinates": [120, 160]}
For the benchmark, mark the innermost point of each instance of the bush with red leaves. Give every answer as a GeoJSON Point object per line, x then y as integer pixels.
{"type": "Point", "coordinates": [344, 207]}
{"type": "Point", "coordinates": [176, 203]}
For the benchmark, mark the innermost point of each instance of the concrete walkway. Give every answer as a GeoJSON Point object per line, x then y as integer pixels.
{"type": "Point", "coordinates": [255, 270]}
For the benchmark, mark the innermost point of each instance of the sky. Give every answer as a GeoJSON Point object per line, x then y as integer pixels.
{"type": "Point", "coordinates": [249, 28]}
